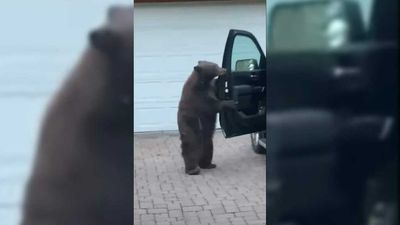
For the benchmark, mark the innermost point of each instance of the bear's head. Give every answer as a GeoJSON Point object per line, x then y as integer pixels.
{"type": "Point", "coordinates": [114, 40]}
{"type": "Point", "coordinates": [207, 71]}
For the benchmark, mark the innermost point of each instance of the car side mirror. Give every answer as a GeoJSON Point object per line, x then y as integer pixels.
{"type": "Point", "coordinates": [246, 65]}
{"type": "Point", "coordinates": [315, 25]}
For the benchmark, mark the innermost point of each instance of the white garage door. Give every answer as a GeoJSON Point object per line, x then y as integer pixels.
{"type": "Point", "coordinates": [169, 40]}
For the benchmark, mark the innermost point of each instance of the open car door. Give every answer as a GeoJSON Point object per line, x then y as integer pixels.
{"type": "Point", "coordinates": [244, 83]}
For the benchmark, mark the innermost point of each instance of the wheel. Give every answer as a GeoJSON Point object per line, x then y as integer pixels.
{"type": "Point", "coordinates": [257, 148]}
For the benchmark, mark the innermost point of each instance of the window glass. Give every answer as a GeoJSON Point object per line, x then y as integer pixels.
{"type": "Point", "coordinates": [245, 54]}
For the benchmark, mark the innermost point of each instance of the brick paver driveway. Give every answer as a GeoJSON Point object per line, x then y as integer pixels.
{"type": "Point", "coordinates": [233, 193]}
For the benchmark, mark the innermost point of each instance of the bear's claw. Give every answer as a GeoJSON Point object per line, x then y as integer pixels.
{"type": "Point", "coordinates": [194, 171]}
{"type": "Point", "coordinates": [210, 166]}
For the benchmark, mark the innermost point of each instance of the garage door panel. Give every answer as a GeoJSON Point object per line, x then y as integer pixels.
{"type": "Point", "coordinates": [170, 67]}
{"type": "Point", "coordinates": [187, 43]}
{"type": "Point", "coordinates": [31, 79]}
{"type": "Point", "coordinates": [151, 90]}
{"type": "Point", "coordinates": [151, 119]}
{"type": "Point", "coordinates": [145, 64]}
{"type": "Point", "coordinates": [162, 66]}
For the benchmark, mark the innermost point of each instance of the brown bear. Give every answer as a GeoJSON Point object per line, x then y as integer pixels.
{"type": "Point", "coordinates": [83, 169]}
{"type": "Point", "coordinates": [197, 112]}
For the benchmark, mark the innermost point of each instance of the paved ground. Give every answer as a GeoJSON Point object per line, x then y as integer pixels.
{"type": "Point", "coordinates": [233, 193]}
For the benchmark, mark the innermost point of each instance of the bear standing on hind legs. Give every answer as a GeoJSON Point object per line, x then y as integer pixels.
{"type": "Point", "coordinates": [197, 113]}
{"type": "Point", "coordinates": [83, 168]}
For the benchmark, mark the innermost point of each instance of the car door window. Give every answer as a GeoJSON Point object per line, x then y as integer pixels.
{"type": "Point", "coordinates": [306, 33]}
{"type": "Point", "coordinates": [320, 25]}
{"type": "Point", "coordinates": [245, 55]}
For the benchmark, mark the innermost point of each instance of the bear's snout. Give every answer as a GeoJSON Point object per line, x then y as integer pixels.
{"type": "Point", "coordinates": [221, 72]}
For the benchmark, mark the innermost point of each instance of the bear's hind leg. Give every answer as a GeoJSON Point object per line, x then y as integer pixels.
{"type": "Point", "coordinates": [208, 127]}
{"type": "Point", "coordinates": [206, 159]}
{"type": "Point", "coordinates": [190, 154]}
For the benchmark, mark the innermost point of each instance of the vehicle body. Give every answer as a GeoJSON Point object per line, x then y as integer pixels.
{"type": "Point", "coordinates": [331, 119]}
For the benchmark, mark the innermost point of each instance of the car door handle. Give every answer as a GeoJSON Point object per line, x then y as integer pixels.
{"type": "Point", "coordinates": [339, 72]}
{"type": "Point", "coordinates": [254, 76]}
{"type": "Point", "coordinates": [247, 117]}
{"type": "Point", "coordinates": [349, 79]}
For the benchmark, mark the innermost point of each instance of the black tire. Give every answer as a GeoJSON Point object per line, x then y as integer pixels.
{"type": "Point", "coordinates": [257, 148]}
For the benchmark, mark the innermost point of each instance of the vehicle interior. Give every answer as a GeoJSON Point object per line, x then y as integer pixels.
{"type": "Point", "coordinates": [331, 121]}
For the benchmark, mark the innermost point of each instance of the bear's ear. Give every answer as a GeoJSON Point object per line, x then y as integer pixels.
{"type": "Point", "coordinates": [104, 40]}
{"type": "Point", "coordinates": [197, 69]}
{"type": "Point", "coordinates": [113, 12]}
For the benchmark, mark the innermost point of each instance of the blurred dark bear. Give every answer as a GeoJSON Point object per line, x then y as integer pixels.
{"type": "Point", "coordinates": [197, 112]}
{"type": "Point", "coordinates": [83, 169]}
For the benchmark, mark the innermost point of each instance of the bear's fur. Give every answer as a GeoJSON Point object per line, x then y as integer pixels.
{"type": "Point", "coordinates": [197, 111]}
{"type": "Point", "coordinates": [83, 169]}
